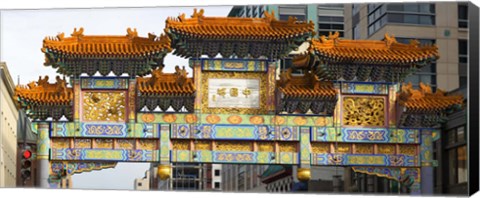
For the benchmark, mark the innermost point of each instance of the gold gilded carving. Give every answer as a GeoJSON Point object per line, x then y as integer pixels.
{"type": "Point", "coordinates": [364, 148]}
{"type": "Point", "coordinates": [203, 145]}
{"type": "Point", "coordinates": [181, 144]}
{"type": "Point", "coordinates": [343, 148]}
{"type": "Point", "coordinates": [386, 149]}
{"type": "Point", "coordinates": [60, 143]}
{"type": "Point", "coordinates": [234, 75]}
{"type": "Point", "coordinates": [233, 146]}
{"type": "Point", "coordinates": [125, 144]}
{"type": "Point", "coordinates": [147, 144]}
{"type": "Point", "coordinates": [104, 143]}
{"type": "Point", "coordinates": [321, 121]}
{"type": "Point", "coordinates": [408, 149]}
{"type": "Point", "coordinates": [320, 147]}
{"type": "Point", "coordinates": [104, 106]}
{"type": "Point", "coordinates": [266, 146]}
{"type": "Point", "coordinates": [363, 111]}
{"type": "Point", "coordinates": [288, 146]}
{"type": "Point", "coordinates": [83, 143]}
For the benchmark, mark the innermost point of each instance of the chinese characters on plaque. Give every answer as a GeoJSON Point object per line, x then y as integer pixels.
{"type": "Point", "coordinates": [233, 93]}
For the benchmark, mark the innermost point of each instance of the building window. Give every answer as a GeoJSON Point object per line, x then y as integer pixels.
{"type": "Point", "coordinates": [426, 74]}
{"type": "Point", "coordinates": [457, 155]}
{"type": "Point", "coordinates": [139, 183]}
{"type": "Point", "coordinates": [406, 13]}
{"type": "Point", "coordinates": [217, 172]}
{"type": "Point", "coordinates": [217, 185]}
{"type": "Point", "coordinates": [331, 19]}
{"type": "Point", "coordinates": [462, 62]}
{"type": "Point", "coordinates": [462, 15]}
{"type": "Point", "coordinates": [297, 11]}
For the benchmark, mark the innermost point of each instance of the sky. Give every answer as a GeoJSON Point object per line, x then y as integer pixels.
{"type": "Point", "coordinates": [22, 33]}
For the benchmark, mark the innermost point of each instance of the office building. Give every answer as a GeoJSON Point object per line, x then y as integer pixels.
{"type": "Point", "coordinates": [242, 178]}
{"type": "Point", "coordinates": [8, 130]}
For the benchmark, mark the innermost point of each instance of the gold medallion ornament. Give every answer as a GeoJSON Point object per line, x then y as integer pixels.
{"type": "Point", "coordinates": [303, 174]}
{"type": "Point", "coordinates": [190, 118]}
{"type": "Point", "coordinates": [321, 121]}
{"type": "Point", "coordinates": [164, 172]}
{"type": "Point", "coordinates": [213, 119]}
{"type": "Point", "coordinates": [256, 120]}
{"type": "Point", "coordinates": [300, 120]}
{"type": "Point", "coordinates": [148, 117]}
{"type": "Point", "coordinates": [169, 118]}
{"type": "Point", "coordinates": [278, 120]}
{"type": "Point", "coordinates": [234, 119]}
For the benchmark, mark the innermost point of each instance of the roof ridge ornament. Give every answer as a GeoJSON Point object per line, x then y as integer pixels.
{"type": "Point", "coordinates": [269, 17]}
{"type": "Point", "coordinates": [196, 14]}
{"type": "Point", "coordinates": [389, 40]}
{"type": "Point", "coordinates": [60, 36]}
{"type": "Point", "coordinates": [78, 33]}
{"type": "Point", "coordinates": [132, 34]}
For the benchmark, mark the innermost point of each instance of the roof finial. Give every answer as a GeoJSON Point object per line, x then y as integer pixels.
{"type": "Point", "coordinates": [269, 17]}
{"type": "Point", "coordinates": [389, 40]}
{"type": "Point", "coordinates": [132, 34]}
{"type": "Point", "coordinates": [78, 33]}
{"type": "Point", "coordinates": [198, 14]}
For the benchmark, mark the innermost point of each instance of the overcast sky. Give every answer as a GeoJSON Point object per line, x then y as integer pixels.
{"type": "Point", "coordinates": [22, 33]}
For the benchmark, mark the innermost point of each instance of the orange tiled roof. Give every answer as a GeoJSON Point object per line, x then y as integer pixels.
{"type": "Point", "coordinates": [307, 86]}
{"type": "Point", "coordinates": [237, 28]}
{"type": "Point", "coordinates": [166, 84]}
{"type": "Point", "coordinates": [367, 51]}
{"type": "Point", "coordinates": [426, 101]}
{"type": "Point", "coordinates": [130, 44]}
{"type": "Point", "coordinates": [42, 92]}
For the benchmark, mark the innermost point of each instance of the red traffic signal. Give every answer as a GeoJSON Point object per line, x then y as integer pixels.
{"type": "Point", "coordinates": [27, 154]}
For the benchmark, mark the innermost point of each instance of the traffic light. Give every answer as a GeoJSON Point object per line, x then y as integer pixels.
{"type": "Point", "coordinates": [26, 164]}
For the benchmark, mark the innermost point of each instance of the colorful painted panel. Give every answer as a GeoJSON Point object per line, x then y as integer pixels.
{"type": "Point", "coordinates": [364, 160]}
{"type": "Point", "coordinates": [104, 83]}
{"type": "Point", "coordinates": [364, 88]}
{"type": "Point", "coordinates": [105, 155]}
{"type": "Point", "coordinates": [235, 119]}
{"type": "Point", "coordinates": [305, 148]}
{"type": "Point", "coordinates": [79, 167]}
{"type": "Point", "coordinates": [365, 135]}
{"type": "Point", "coordinates": [205, 156]}
{"type": "Point", "coordinates": [165, 146]}
{"type": "Point", "coordinates": [238, 132]}
{"type": "Point", "coordinates": [116, 130]}
{"type": "Point", "coordinates": [234, 65]}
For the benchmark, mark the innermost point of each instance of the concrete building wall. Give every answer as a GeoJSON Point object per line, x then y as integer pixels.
{"type": "Point", "coordinates": [242, 178]}
{"type": "Point", "coordinates": [8, 130]}
{"type": "Point", "coordinates": [445, 32]}
{"type": "Point", "coordinates": [143, 183]}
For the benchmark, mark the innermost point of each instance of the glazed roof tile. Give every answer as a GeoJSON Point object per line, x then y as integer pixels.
{"type": "Point", "coordinates": [44, 93]}
{"type": "Point", "coordinates": [307, 86]}
{"type": "Point", "coordinates": [237, 28]}
{"type": "Point", "coordinates": [423, 100]}
{"type": "Point", "coordinates": [388, 51]}
{"type": "Point", "coordinates": [130, 44]}
{"type": "Point", "coordinates": [166, 84]}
